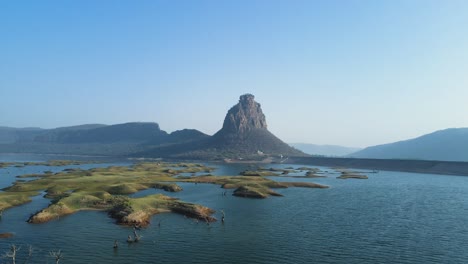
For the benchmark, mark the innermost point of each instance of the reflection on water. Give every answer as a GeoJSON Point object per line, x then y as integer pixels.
{"type": "Point", "coordinates": [392, 217]}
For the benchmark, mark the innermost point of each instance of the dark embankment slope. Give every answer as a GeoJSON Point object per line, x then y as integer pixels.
{"type": "Point", "coordinates": [421, 166]}
{"type": "Point", "coordinates": [324, 150]}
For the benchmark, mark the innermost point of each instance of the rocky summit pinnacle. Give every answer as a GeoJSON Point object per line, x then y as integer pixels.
{"type": "Point", "coordinates": [244, 132]}
{"type": "Point", "coordinates": [244, 116]}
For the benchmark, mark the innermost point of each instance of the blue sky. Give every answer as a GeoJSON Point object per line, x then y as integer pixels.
{"type": "Point", "coordinates": [353, 73]}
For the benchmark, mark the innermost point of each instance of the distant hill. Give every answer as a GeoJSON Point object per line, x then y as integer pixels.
{"type": "Point", "coordinates": [186, 135]}
{"type": "Point", "coordinates": [80, 127]}
{"type": "Point", "coordinates": [9, 135]}
{"type": "Point", "coordinates": [446, 145]}
{"type": "Point", "coordinates": [128, 132]}
{"type": "Point", "coordinates": [324, 150]}
{"type": "Point", "coordinates": [93, 139]}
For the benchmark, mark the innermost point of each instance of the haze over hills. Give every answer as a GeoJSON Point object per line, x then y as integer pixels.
{"type": "Point", "coordinates": [30, 134]}
{"type": "Point", "coordinates": [10, 135]}
{"type": "Point", "coordinates": [324, 150]}
{"type": "Point", "coordinates": [244, 135]}
{"type": "Point", "coordinates": [446, 145]}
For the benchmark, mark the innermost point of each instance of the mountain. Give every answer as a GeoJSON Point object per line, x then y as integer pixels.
{"type": "Point", "coordinates": [10, 135]}
{"type": "Point", "coordinates": [93, 139]}
{"type": "Point", "coordinates": [128, 132]}
{"type": "Point", "coordinates": [186, 135]}
{"type": "Point", "coordinates": [324, 150]}
{"type": "Point", "coordinates": [244, 135]}
{"type": "Point", "coordinates": [245, 131]}
{"type": "Point", "coordinates": [445, 145]}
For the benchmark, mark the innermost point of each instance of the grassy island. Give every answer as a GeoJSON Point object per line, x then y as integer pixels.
{"type": "Point", "coordinates": [106, 189]}
{"type": "Point", "coordinates": [345, 174]}
{"type": "Point", "coordinates": [258, 173]}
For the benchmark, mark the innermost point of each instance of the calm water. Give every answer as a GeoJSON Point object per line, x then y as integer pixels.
{"type": "Point", "coordinates": [392, 217]}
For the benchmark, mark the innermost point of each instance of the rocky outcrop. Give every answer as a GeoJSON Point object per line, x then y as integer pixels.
{"type": "Point", "coordinates": [168, 187]}
{"type": "Point", "coordinates": [245, 132]}
{"type": "Point", "coordinates": [54, 211]}
{"type": "Point", "coordinates": [244, 116]}
{"type": "Point", "coordinates": [193, 211]}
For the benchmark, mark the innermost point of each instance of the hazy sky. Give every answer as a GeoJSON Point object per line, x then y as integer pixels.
{"type": "Point", "coordinates": [354, 73]}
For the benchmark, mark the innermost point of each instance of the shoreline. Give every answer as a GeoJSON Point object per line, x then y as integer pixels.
{"type": "Point", "coordinates": [457, 168]}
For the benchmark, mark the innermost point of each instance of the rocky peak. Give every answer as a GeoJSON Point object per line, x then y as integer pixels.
{"type": "Point", "coordinates": [244, 116]}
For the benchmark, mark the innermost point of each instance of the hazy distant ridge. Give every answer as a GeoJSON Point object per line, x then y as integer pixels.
{"type": "Point", "coordinates": [448, 145]}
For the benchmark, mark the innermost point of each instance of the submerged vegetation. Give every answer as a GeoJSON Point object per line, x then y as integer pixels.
{"type": "Point", "coordinates": [107, 189]}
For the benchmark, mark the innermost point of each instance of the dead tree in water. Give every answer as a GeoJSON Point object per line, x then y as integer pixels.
{"type": "Point", "coordinates": [30, 252]}
{"type": "Point", "coordinates": [57, 255]}
{"type": "Point", "coordinates": [12, 253]}
{"type": "Point", "coordinates": [137, 237]}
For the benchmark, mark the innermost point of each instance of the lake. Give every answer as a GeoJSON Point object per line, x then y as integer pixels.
{"type": "Point", "coordinates": [392, 217]}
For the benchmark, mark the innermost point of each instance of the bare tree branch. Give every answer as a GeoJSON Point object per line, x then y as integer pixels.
{"type": "Point", "coordinates": [57, 255]}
